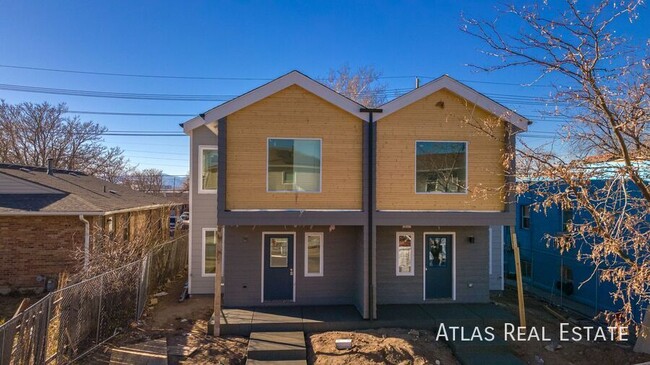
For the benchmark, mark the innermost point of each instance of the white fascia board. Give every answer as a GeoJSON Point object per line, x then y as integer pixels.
{"type": "Point", "coordinates": [192, 124]}
{"type": "Point", "coordinates": [283, 82]}
{"type": "Point", "coordinates": [456, 87]}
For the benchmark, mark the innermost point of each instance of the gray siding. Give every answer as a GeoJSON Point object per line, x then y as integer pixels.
{"type": "Point", "coordinates": [203, 213]}
{"type": "Point", "coordinates": [471, 266]}
{"type": "Point", "coordinates": [338, 285]}
{"type": "Point", "coordinates": [496, 276]}
{"type": "Point", "coordinates": [14, 185]}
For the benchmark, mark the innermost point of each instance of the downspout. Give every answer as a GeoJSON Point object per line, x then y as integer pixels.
{"type": "Point", "coordinates": [371, 207]}
{"type": "Point", "coordinates": [86, 240]}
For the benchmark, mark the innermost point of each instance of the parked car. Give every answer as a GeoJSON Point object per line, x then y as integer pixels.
{"type": "Point", "coordinates": [184, 220]}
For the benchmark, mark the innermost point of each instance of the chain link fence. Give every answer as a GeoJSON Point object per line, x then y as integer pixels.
{"type": "Point", "coordinates": [71, 322]}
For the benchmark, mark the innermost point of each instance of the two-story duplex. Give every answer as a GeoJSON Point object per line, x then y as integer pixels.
{"type": "Point", "coordinates": [319, 200]}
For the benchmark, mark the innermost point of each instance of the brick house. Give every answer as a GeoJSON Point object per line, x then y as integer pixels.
{"type": "Point", "coordinates": [47, 214]}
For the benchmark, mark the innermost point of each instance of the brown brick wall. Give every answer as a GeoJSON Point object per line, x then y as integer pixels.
{"type": "Point", "coordinates": [32, 246]}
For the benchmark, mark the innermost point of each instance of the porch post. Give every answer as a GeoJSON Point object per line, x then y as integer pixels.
{"type": "Point", "coordinates": [217, 282]}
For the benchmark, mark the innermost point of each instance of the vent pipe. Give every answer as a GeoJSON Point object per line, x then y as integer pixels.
{"type": "Point", "coordinates": [50, 167]}
{"type": "Point", "coordinates": [417, 82]}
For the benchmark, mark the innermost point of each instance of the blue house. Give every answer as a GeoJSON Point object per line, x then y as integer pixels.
{"type": "Point", "coordinates": [562, 278]}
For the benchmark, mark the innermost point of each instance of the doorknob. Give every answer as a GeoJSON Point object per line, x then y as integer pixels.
{"type": "Point", "coordinates": [291, 272]}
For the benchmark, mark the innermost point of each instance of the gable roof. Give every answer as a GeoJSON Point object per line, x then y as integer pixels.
{"type": "Point", "coordinates": [471, 95]}
{"type": "Point", "coordinates": [292, 78]}
{"type": "Point", "coordinates": [69, 193]}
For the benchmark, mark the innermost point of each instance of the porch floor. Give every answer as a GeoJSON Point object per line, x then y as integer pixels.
{"type": "Point", "coordinates": [244, 320]}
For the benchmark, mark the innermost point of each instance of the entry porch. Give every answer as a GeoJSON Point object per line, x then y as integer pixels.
{"type": "Point", "coordinates": [244, 320]}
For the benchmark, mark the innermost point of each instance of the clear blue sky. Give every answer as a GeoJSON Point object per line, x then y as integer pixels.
{"type": "Point", "coordinates": [232, 39]}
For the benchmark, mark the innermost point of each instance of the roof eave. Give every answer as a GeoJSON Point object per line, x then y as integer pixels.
{"type": "Point", "coordinates": [270, 88]}
{"type": "Point", "coordinates": [457, 87]}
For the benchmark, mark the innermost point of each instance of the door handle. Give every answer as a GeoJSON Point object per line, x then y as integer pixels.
{"type": "Point", "coordinates": [290, 272]}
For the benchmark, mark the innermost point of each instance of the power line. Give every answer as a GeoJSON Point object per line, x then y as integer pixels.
{"type": "Point", "coordinates": [184, 77]}
{"type": "Point", "coordinates": [136, 75]}
{"type": "Point", "coordinates": [131, 114]}
{"type": "Point", "coordinates": [112, 95]}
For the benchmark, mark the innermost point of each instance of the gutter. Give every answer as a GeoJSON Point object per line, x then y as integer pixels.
{"type": "Point", "coordinates": [86, 240]}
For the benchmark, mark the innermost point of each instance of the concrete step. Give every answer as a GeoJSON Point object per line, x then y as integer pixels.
{"type": "Point", "coordinates": [277, 346]}
{"type": "Point", "coordinates": [276, 362]}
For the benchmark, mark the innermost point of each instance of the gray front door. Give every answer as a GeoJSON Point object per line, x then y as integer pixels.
{"type": "Point", "coordinates": [438, 265]}
{"type": "Point", "coordinates": [278, 267]}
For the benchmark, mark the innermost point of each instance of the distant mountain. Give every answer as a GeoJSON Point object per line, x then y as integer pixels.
{"type": "Point", "coordinates": [173, 182]}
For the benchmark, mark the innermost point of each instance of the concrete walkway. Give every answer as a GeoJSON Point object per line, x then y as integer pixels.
{"type": "Point", "coordinates": [277, 348]}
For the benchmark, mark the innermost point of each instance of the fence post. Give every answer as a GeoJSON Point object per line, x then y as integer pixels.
{"type": "Point", "coordinates": [137, 291]}
{"type": "Point", "coordinates": [99, 308]}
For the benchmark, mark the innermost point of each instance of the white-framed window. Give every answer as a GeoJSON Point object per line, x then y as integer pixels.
{"type": "Point", "coordinates": [293, 165]}
{"type": "Point", "coordinates": [404, 254]}
{"type": "Point", "coordinates": [209, 239]}
{"type": "Point", "coordinates": [208, 169]}
{"type": "Point", "coordinates": [314, 254]}
{"type": "Point", "coordinates": [440, 167]}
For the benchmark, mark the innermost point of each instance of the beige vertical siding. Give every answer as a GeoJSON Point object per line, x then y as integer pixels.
{"type": "Point", "coordinates": [294, 113]}
{"type": "Point", "coordinates": [424, 120]}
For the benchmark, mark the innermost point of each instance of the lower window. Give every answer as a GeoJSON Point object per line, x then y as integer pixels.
{"type": "Point", "coordinates": [404, 253]}
{"type": "Point", "coordinates": [313, 254]}
{"type": "Point", "coordinates": [210, 238]}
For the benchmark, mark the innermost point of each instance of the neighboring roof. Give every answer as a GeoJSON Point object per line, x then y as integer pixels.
{"type": "Point", "coordinates": [446, 82]}
{"type": "Point", "coordinates": [70, 193]}
{"type": "Point", "coordinates": [292, 78]}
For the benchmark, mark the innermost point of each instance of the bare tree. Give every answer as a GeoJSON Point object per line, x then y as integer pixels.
{"type": "Point", "coordinates": [601, 83]}
{"type": "Point", "coordinates": [362, 85]}
{"type": "Point", "coordinates": [32, 133]}
{"type": "Point", "coordinates": [147, 180]}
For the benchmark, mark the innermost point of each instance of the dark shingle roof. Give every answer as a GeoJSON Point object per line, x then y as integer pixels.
{"type": "Point", "coordinates": [78, 193]}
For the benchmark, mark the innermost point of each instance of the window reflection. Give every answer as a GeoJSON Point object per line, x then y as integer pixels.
{"type": "Point", "coordinates": [436, 251]}
{"type": "Point", "coordinates": [279, 252]}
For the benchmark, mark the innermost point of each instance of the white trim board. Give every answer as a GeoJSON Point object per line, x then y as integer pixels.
{"type": "Point", "coordinates": [453, 263]}
{"type": "Point", "coordinates": [458, 88]}
{"type": "Point", "coordinates": [270, 88]}
{"type": "Point", "coordinates": [295, 245]}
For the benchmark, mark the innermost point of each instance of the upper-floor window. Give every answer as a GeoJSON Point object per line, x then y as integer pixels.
{"type": "Point", "coordinates": [208, 168]}
{"type": "Point", "coordinates": [440, 167]}
{"type": "Point", "coordinates": [294, 164]}
{"type": "Point", "coordinates": [525, 216]}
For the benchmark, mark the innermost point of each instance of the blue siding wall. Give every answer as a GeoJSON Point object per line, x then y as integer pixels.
{"type": "Point", "coordinates": [546, 260]}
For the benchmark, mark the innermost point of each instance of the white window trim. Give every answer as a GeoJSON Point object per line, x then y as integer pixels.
{"type": "Point", "coordinates": [320, 167]}
{"type": "Point", "coordinates": [322, 243]}
{"type": "Point", "coordinates": [412, 272]}
{"type": "Point", "coordinates": [203, 232]}
{"type": "Point", "coordinates": [415, 172]}
{"type": "Point", "coordinates": [199, 179]}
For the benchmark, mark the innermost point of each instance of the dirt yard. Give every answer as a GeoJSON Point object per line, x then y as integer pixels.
{"type": "Point", "coordinates": [381, 346]}
{"type": "Point", "coordinates": [576, 353]}
{"type": "Point", "coordinates": [184, 325]}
